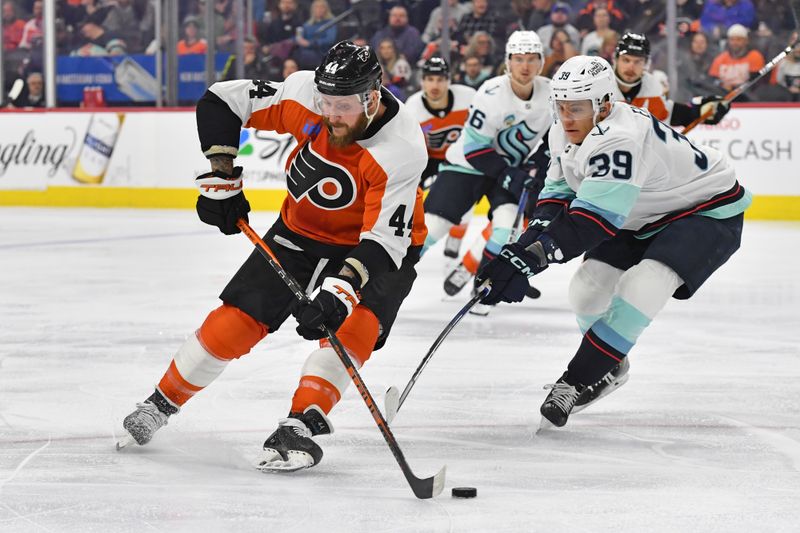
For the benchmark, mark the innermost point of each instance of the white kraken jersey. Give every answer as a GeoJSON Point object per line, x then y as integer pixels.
{"type": "Point", "coordinates": [633, 170]}
{"type": "Point", "coordinates": [442, 127]}
{"type": "Point", "coordinates": [500, 121]}
{"type": "Point", "coordinates": [650, 96]}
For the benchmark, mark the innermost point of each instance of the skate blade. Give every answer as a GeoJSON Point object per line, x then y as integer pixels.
{"type": "Point", "coordinates": [611, 388]}
{"type": "Point", "coordinates": [273, 462]}
{"type": "Point", "coordinates": [125, 441]}
{"type": "Point", "coordinates": [544, 425]}
{"type": "Point", "coordinates": [391, 404]}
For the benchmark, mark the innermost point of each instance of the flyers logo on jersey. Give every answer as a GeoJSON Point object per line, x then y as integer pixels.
{"type": "Point", "coordinates": [325, 184]}
{"type": "Point", "coordinates": [439, 138]}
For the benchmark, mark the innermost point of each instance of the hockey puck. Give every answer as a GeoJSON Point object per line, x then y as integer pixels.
{"type": "Point", "coordinates": [464, 492]}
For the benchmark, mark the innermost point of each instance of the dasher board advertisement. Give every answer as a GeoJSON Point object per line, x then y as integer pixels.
{"type": "Point", "coordinates": [124, 149]}
{"type": "Point", "coordinates": [151, 149]}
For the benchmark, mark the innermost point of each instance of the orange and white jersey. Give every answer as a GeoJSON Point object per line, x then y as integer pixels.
{"type": "Point", "coordinates": [650, 96]}
{"type": "Point", "coordinates": [337, 195]}
{"type": "Point", "coordinates": [442, 127]}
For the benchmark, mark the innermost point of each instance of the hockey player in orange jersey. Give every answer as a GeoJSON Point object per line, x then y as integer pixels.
{"type": "Point", "coordinates": [638, 87]}
{"type": "Point", "coordinates": [350, 229]}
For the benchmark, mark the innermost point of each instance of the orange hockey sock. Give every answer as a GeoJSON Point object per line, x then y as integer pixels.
{"type": "Point", "coordinates": [324, 376]}
{"type": "Point", "coordinates": [227, 333]}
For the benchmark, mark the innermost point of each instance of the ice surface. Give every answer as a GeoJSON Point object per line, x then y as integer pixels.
{"type": "Point", "coordinates": [704, 437]}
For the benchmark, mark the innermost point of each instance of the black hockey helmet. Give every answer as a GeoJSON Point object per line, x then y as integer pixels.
{"type": "Point", "coordinates": [348, 69]}
{"type": "Point", "coordinates": [436, 66]}
{"type": "Point", "coordinates": [633, 44]}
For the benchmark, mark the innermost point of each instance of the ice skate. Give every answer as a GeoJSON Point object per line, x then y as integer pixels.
{"type": "Point", "coordinates": [559, 403]}
{"type": "Point", "coordinates": [290, 447]}
{"type": "Point", "coordinates": [615, 378]}
{"type": "Point", "coordinates": [142, 424]}
{"type": "Point", "coordinates": [451, 247]}
{"type": "Point", "coordinates": [457, 279]}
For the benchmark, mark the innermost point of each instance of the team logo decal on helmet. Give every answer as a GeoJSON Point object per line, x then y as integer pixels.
{"type": "Point", "coordinates": [325, 184]}
{"type": "Point", "coordinates": [348, 69]}
{"type": "Point", "coordinates": [583, 78]}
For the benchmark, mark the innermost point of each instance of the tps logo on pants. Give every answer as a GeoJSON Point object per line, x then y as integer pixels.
{"type": "Point", "coordinates": [325, 184]}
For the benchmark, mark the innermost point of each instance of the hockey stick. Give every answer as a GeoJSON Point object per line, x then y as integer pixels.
{"type": "Point", "coordinates": [734, 93]}
{"type": "Point", "coordinates": [423, 488]}
{"type": "Point", "coordinates": [393, 399]}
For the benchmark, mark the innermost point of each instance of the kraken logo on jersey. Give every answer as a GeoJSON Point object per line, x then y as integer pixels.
{"type": "Point", "coordinates": [325, 184]}
{"type": "Point", "coordinates": [437, 139]}
{"type": "Point", "coordinates": [513, 142]}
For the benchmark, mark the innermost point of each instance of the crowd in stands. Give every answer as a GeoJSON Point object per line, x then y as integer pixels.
{"type": "Point", "coordinates": [721, 42]}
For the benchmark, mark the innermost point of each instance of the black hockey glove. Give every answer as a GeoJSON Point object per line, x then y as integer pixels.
{"type": "Point", "coordinates": [510, 270]}
{"type": "Point", "coordinates": [515, 180]}
{"type": "Point", "coordinates": [715, 104]}
{"type": "Point", "coordinates": [337, 298]}
{"type": "Point", "coordinates": [221, 202]}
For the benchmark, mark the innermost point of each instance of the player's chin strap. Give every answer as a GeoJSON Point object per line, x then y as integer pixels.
{"type": "Point", "coordinates": [627, 86]}
{"type": "Point", "coordinates": [366, 103]}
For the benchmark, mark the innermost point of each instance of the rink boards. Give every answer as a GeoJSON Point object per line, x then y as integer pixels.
{"type": "Point", "coordinates": [131, 158]}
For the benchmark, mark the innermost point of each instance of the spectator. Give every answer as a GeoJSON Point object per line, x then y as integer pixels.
{"type": "Point", "coordinates": [693, 67]}
{"type": "Point", "coordinates": [224, 25]}
{"type": "Point", "coordinates": [96, 40]}
{"type": "Point", "coordinates": [482, 46]}
{"type": "Point", "coordinates": [593, 42]}
{"type": "Point", "coordinates": [283, 24]}
{"type": "Point", "coordinates": [289, 67]}
{"type": "Point", "coordinates": [473, 72]}
{"type": "Point", "coordinates": [691, 9]}
{"type": "Point", "coordinates": [32, 31]}
{"type": "Point", "coordinates": [191, 42]}
{"type": "Point", "coordinates": [479, 19]}
{"type": "Point", "coordinates": [559, 20]}
{"type": "Point", "coordinates": [32, 93]}
{"type": "Point", "coordinates": [617, 16]}
{"type": "Point", "coordinates": [788, 73]}
{"type": "Point", "coordinates": [256, 66]}
{"type": "Point", "coordinates": [719, 15]}
{"type": "Point", "coordinates": [396, 69]}
{"type": "Point", "coordinates": [521, 11]}
{"type": "Point", "coordinates": [314, 43]}
{"type": "Point", "coordinates": [122, 20]}
{"type": "Point", "coordinates": [13, 27]}
{"type": "Point", "coordinates": [540, 14]}
{"type": "Point", "coordinates": [609, 46]}
{"type": "Point", "coordinates": [406, 38]}
{"type": "Point", "coordinates": [433, 29]}
{"type": "Point", "coordinates": [561, 49]}
{"type": "Point", "coordinates": [738, 63]}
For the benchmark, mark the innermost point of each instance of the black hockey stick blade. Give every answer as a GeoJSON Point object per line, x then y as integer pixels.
{"type": "Point", "coordinates": [422, 488]}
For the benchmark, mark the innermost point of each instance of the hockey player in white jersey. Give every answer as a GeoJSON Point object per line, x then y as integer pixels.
{"type": "Point", "coordinates": [441, 109]}
{"type": "Point", "coordinates": [654, 214]}
{"type": "Point", "coordinates": [641, 88]}
{"type": "Point", "coordinates": [509, 117]}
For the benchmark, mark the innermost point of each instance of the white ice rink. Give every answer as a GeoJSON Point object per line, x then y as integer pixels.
{"type": "Point", "coordinates": [93, 303]}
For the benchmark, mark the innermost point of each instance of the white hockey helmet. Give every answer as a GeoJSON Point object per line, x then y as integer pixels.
{"type": "Point", "coordinates": [583, 78]}
{"type": "Point", "coordinates": [524, 42]}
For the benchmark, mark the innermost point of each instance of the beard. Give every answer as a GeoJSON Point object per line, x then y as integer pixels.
{"type": "Point", "coordinates": [352, 134]}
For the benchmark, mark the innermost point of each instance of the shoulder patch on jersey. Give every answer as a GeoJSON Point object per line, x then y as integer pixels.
{"type": "Point", "coordinates": [492, 90]}
{"type": "Point", "coordinates": [599, 130]}
{"type": "Point", "coordinates": [325, 184]}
